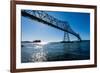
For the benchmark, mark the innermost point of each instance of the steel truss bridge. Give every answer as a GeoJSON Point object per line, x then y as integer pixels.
{"type": "Point", "coordinates": [42, 16]}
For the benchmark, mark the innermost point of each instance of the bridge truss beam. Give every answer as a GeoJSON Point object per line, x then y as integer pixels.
{"type": "Point", "coordinates": [44, 17]}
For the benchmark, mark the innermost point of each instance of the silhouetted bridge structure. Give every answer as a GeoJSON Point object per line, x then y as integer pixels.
{"type": "Point", "coordinates": [45, 18]}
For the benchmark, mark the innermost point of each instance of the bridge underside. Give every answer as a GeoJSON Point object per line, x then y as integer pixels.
{"type": "Point", "coordinates": [40, 19]}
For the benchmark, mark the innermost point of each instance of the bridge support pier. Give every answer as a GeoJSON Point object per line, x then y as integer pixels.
{"type": "Point", "coordinates": [66, 37]}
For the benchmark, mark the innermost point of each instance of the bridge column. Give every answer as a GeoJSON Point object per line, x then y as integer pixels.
{"type": "Point", "coordinates": [66, 37]}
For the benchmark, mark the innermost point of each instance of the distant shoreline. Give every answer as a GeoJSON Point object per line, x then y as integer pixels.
{"type": "Point", "coordinates": [56, 42]}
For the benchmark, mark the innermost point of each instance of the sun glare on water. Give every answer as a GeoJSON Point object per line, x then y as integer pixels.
{"type": "Point", "coordinates": [43, 43]}
{"type": "Point", "coordinates": [40, 45]}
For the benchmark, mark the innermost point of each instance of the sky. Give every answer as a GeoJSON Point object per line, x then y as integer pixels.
{"type": "Point", "coordinates": [34, 30]}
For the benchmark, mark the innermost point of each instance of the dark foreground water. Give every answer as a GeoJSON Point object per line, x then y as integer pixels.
{"type": "Point", "coordinates": [31, 52]}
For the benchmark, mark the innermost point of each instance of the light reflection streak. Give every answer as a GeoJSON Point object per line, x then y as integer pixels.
{"type": "Point", "coordinates": [39, 55]}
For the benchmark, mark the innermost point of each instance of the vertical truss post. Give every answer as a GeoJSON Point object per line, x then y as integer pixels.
{"type": "Point", "coordinates": [66, 37]}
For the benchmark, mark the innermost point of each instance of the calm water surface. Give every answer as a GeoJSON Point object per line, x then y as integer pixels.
{"type": "Point", "coordinates": [32, 52]}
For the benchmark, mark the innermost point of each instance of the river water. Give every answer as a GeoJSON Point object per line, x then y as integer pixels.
{"type": "Point", "coordinates": [37, 52]}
